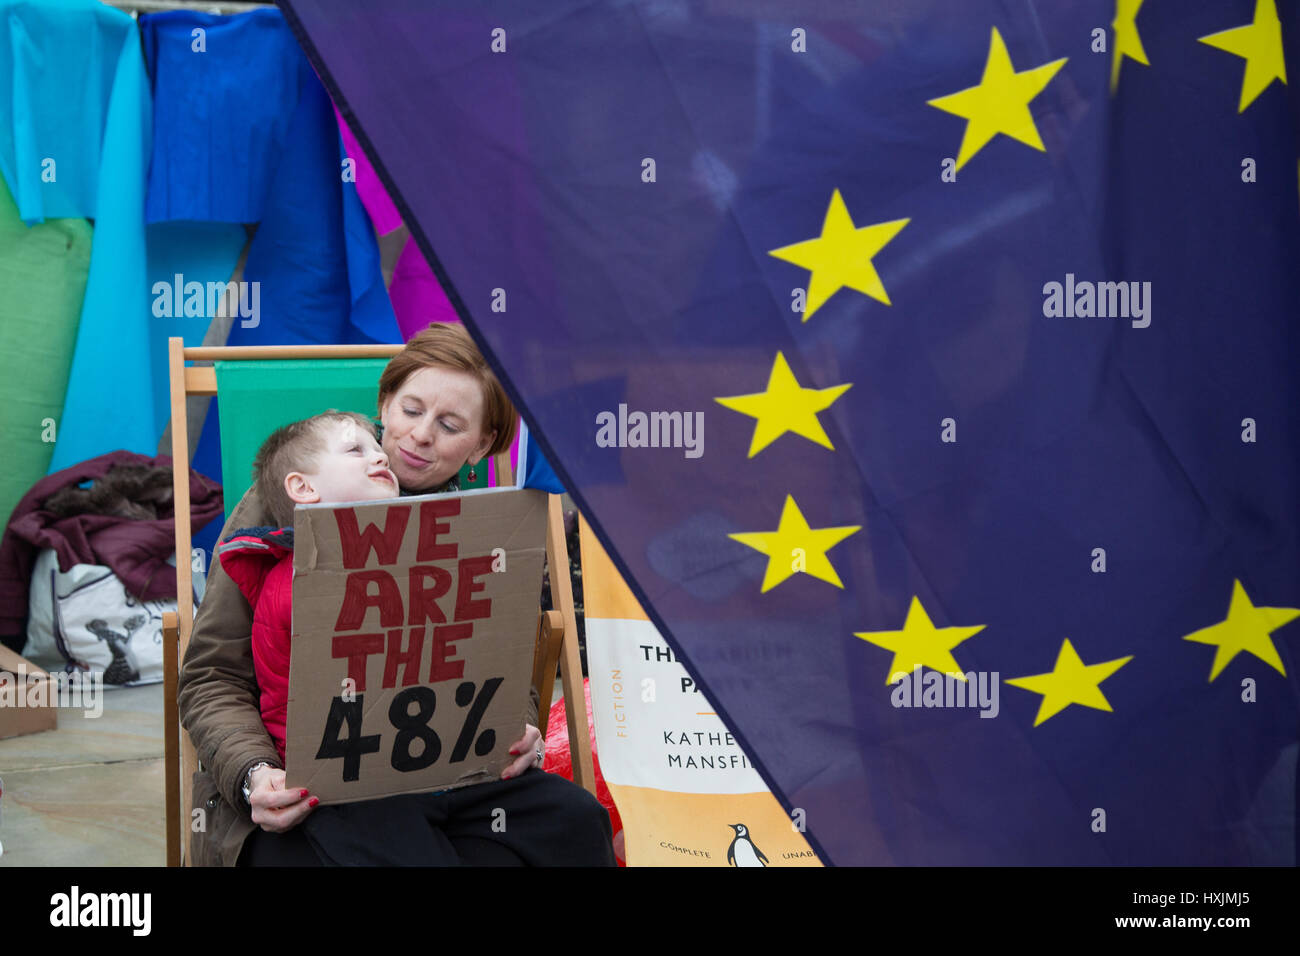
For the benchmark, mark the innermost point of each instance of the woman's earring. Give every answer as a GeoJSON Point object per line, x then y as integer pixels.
{"type": "Point", "coordinates": [471, 476]}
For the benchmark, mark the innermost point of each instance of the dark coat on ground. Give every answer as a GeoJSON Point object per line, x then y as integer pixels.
{"type": "Point", "coordinates": [124, 521]}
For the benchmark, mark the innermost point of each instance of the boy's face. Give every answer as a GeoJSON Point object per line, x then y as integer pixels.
{"type": "Point", "coordinates": [351, 468]}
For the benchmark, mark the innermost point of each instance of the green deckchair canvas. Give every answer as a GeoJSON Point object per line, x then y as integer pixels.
{"type": "Point", "coordinates": [255, 398]}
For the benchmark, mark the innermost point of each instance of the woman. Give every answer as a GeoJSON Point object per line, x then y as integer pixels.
{"type": "Point", "coordinates": [440, 407]}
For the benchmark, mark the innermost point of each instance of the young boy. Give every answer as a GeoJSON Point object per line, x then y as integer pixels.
{"type": "Point", "coordinates": [331, 458]}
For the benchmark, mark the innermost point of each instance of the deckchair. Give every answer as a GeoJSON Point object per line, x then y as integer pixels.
{"type": "Point", "coordinates": [344, 377]}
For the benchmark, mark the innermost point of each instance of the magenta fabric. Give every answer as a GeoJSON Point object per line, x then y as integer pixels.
{"type": "Point", "coordinates": [415, 292]}
{"type": "Point", "coordinates": [373, 195]}
{"type": "Point", "coordinates": [417, 296]}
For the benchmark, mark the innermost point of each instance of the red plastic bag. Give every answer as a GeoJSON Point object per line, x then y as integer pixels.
{"type": "Point", "coordinates": [560, 761]}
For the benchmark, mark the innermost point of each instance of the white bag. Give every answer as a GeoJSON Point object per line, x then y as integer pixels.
{"type": "Point", "coordinates": [84, 619]}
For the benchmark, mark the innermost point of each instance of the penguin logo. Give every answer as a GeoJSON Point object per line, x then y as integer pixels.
{"type": "Point", "coordinates": [742, 851]}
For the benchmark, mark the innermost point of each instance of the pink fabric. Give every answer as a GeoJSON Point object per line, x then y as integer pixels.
{"type": "Point", "coordinates": [373, 195]}
{"type": "Point", "coordinates": [418, 299]}
{"type": "Point", "coordinates": [417, 296]}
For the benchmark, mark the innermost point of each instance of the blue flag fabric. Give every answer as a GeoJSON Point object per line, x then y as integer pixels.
{"type": "Point", "coordinates": [951, 338]}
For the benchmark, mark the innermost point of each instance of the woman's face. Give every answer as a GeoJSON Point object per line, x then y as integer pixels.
{"type": "Point", "coordinates": [433, 424]}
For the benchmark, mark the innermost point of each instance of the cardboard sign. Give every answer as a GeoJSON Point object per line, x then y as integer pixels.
{"type": "Point", "coordinates": [412, 648]}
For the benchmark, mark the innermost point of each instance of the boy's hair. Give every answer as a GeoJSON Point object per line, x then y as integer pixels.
{"type": "Point", "coordinates": [294, 447]}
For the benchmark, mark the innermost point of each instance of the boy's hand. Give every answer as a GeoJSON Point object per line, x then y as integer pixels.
{"type": "Point", "coordinates": [276, 809]}
{"type": "Point", "coordinates": [527, 747]}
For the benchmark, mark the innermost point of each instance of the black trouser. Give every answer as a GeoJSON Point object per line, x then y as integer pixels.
{"type": "Point", "coordinates": [536, 819]}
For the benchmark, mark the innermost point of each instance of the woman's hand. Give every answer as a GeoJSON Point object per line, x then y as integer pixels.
{"type": "Point", "coordinates": [276, 809]}
{"type": "Point", "coordinates": [527, 747]}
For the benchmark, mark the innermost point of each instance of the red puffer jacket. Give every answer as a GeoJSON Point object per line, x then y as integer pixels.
{"type": "Point", "coordinates": [260, 561]}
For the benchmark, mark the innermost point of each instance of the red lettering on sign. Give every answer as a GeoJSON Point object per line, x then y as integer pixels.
{"type": "Point", "coordinates": [408, 660]}
{"type": "Point", "coordinates": [441, 666]}
{"type": "Point", "coordinates": [357, 545]}
{"type": "Point", "coordinates": [423, 597]}
{"type": "Point", "coordinates": [356, 648]}
{"type": "Point", "coordinates": [467, 586]}
{"type": "Point", "coordinates": [357, 598]}
{"type": "Point", "coordinates": [428, 548]}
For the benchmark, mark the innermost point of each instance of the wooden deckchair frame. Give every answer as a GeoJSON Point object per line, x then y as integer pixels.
{"type": "Point", "coordinates": [552, 626]}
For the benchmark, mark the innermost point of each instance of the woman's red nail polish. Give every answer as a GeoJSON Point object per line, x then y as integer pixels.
{"type": "Point", "coordinates": [302, 793]}
{"type": "Point", "coordinates": [312, 802]}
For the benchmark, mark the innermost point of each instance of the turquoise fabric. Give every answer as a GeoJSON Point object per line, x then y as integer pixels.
{"type": "Point", "coordinates": [73, 74]}
{"type": "Point", "coordinates": [202, 251]}
{"type": "Point", "coordinates": [111, 352]}
{"type": "Point", "coordinates": [79, 92]}
{"type": "Point", "coordinates": [59, 60]}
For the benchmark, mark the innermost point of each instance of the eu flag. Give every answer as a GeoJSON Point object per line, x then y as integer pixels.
{"type": "Point", "coordinates": [927, 369]}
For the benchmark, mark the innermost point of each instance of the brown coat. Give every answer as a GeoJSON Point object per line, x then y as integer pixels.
{"type": "Point", "coordinates": [219, 706]}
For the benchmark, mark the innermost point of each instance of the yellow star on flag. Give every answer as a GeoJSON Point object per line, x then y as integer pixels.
{"type": "Point", "coordinates": [1259, 43]}
{"type": "Point", "coordinates": [1000, 104]}
{"type": "Point", "coordinates": [794, 546]}
{"type": "Point", "coordinates": [785, 407]}
{"type": "Point", "coordinates": [1246, 628]}
{"type": "Point", "coordinates": [1128, 42]}
{"type": "Point", "coordinates": [1071, 681]}
{"type": "Point", "coordinates": [921, 644]}
{"type": "Point", "coordinates": [841, 256]}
